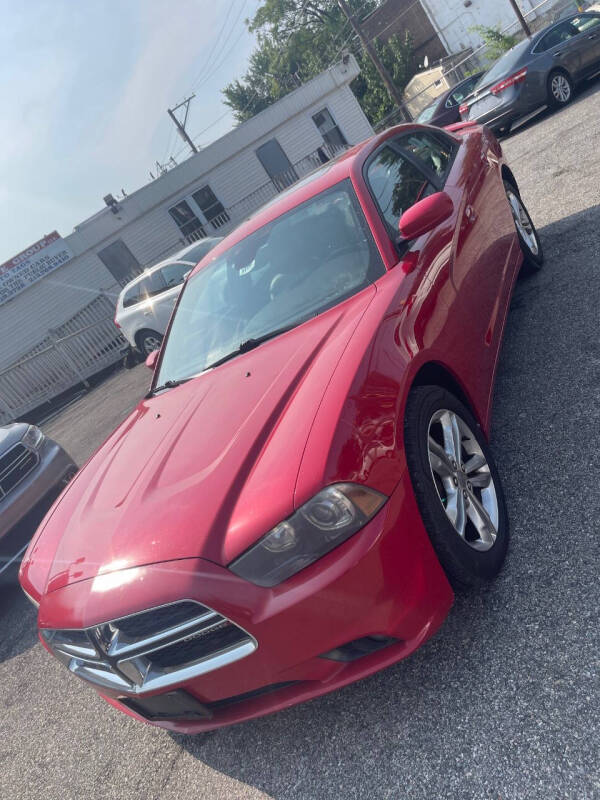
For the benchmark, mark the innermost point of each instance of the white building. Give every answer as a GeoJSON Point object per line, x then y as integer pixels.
{"type": "Point", "coordinates": [42, 323]}
{"type": "Point", "coordinates": [454, 20]}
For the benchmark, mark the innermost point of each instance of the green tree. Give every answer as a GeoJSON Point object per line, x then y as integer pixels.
{"type": "Point", "coordinates": [297, 40]}
{"type": "Point", "coordinates": [496, 42]}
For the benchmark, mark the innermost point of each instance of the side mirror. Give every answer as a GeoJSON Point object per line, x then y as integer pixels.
{"type": "Point", "coordinates": [152, 359]}
{"type": "Point", "coordinates": [425, 215]}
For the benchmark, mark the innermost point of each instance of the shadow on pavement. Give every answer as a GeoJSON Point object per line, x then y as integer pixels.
{"type": "Point", "coordinates": [504, 689]}
{"type": "Point", "coordinates": [18, 619]}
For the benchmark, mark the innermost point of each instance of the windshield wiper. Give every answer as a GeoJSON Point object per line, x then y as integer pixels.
{"type": "Point", "coordinates": [166, 385]}
{"type": "Point", "coordinates": [250, 344]}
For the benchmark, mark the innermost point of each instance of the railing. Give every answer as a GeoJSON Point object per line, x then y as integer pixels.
{"type": "Point", "coordinates": [69, 355]}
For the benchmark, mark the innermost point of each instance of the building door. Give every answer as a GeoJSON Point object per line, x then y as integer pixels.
{"type": "Point", "coordinates": [277, 165]}
{"type": "Point", "coordinates": [120, 262]}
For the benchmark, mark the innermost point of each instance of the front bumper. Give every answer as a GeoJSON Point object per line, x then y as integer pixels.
{"type": "Point", "coordinates": [384, 582]}
{"type": "Point", "coordinates": [25, 506]}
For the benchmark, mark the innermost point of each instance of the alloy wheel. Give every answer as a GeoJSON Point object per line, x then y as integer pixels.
{"type": "Point", "coordinates": [150, 344]}
{"type": "Point", "coordinates": [560, 88]}
{"type": "Point", "coordinates": [463, 480]}
{"type": "Point", "coordinates": [523, 222]}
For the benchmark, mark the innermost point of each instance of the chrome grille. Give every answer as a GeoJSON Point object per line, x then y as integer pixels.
{"type": "Point", "coordinates": [15, 465]}
{"type": "Point", "coordinates": [153, 649]}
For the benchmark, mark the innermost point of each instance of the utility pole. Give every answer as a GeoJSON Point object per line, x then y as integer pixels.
{"type": "Point", "coordinates": [371, 52]}
{"type": "Point", "coordinates": [520, 17]}
{"type": "Point", "coordinates": [181, 125]}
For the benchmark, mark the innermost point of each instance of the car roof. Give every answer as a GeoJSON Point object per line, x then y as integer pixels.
{"type": "Point", "coordinates": [151, 270]}
{"type": "Point", "coordinates": [180, 254]}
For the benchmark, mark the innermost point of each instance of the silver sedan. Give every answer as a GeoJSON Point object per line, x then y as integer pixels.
{"type": "Point", "coordinates": [540, 71]}
{"type": "Point", "coordinates": [33, 472]}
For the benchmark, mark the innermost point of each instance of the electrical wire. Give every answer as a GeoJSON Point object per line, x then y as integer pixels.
{"type": "Point", "coordinates": [217, 38]}
{"type": "Point", "coordinates": [252, 99]}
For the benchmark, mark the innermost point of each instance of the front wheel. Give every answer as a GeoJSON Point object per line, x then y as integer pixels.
{"type": "Point", "coordinates": [531, 247]}
{"type": "Point", "coordinates": [456, 485]}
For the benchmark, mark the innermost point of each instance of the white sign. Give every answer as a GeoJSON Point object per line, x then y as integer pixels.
{"type": "Point", "coordinates": [32, 264]}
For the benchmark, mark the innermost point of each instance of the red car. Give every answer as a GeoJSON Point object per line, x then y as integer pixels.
{"type": "Point", "coordinates": [288, 508]}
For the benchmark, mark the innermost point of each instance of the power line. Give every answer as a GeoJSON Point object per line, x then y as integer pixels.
{"type": "Point", "coordinates": [247, 106]}
{"type": "Point", "coordinates": [395, 20]}
{"type": "Point", "coordinates": [220, 63]}
{"type": "Point", "coordinates": [372, 54]}
{"type": "Point", "coordinates": [206, 61]}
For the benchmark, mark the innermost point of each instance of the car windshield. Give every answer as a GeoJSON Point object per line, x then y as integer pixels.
{"type": "Point", "coordinates": [300, 264]}
{"type": "Point", "coordinates": [428, 112]}
{"type": "Point", "coordinates": [505, 64]}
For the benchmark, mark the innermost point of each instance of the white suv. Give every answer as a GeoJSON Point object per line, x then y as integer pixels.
{"type": "Point", "coordinates": [144, 306]}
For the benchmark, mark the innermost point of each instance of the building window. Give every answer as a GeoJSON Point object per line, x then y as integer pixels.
{"type": "Point", "coordinates": [120, 262]}
{"type": "Point", "coordinates": [212, 209]}
{"type": "Point", "coordinates": [334, 139]}
{"type": "Point", "coordinates": [277, 165]}
{"type": "Point", "coordinates": [187, 222]}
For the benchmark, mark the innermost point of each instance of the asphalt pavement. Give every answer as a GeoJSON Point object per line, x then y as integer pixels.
{"type": "Point", "coordinates": [503, 703]}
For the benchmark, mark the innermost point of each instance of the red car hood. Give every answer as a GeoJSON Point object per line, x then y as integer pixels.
{"type": "Point", "coordinates": [203, 469]}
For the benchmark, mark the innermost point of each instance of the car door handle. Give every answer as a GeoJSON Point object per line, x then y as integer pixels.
{"type": "Point", "coordinates": [470, 214]}
{"type": "Point", "coordinates": [593, 36]}
{"type": "Point", "coordinates": [147, 313]}
{"type": "Point", "coordinates": [560, 52]}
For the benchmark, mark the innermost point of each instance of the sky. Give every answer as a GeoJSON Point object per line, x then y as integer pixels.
{"type": "Point", "coordinates": [85, 87]}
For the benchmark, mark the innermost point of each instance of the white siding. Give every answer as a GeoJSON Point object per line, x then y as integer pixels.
{"type": "Point", "coordinates": [453, 21]}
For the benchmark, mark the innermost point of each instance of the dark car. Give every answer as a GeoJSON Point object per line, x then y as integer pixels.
{"type": "Point", "coordinates": [33, 472]}
{"type": "Point", "coordinates": [444, 109]}
{"type": "Point", "coordinates": [541, 70]}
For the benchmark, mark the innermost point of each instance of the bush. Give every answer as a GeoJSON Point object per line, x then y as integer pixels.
{"type": "Point", "coordinates": [496, 42]}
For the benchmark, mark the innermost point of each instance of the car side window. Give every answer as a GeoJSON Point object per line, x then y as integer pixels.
{"type": "Point", "coordinates": [586, 23]}
{"type": "Point", "coordinates": [132, 296]}
{"type": "Point", "coordinates": [173, 274]}
{"type": "Point", "coordinates": [562, 33]}
{"type": "Point", "coordinates": [396, 184]}
{"type": "Point", "coordinates": [152, 285]}
{"type": "Point", "coordinates": [434, 152]}
{"type": "Point", "coordinates": [461, 93]}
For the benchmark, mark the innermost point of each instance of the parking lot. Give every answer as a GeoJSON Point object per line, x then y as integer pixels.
{"type": "Point", "coordinates": [503, 702]}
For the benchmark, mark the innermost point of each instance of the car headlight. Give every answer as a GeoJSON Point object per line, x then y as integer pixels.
{"type": "Point", "coordinates": [324, 522]}
{"type": "Point", "coordinates": [33, 437]}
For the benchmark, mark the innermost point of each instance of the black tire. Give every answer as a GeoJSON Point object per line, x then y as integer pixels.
{"type": "Point", "coordinates": [559, 99]}
{"type": "Point", "coordinates": [532, 261]}
{"type": "Point", "coordinates": [148, 341]}
{"type": "Point", "coordinates": [464, 565]}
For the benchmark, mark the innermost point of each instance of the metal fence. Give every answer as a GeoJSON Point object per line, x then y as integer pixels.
{"type": "Point", "coordinates": [70, 354]}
